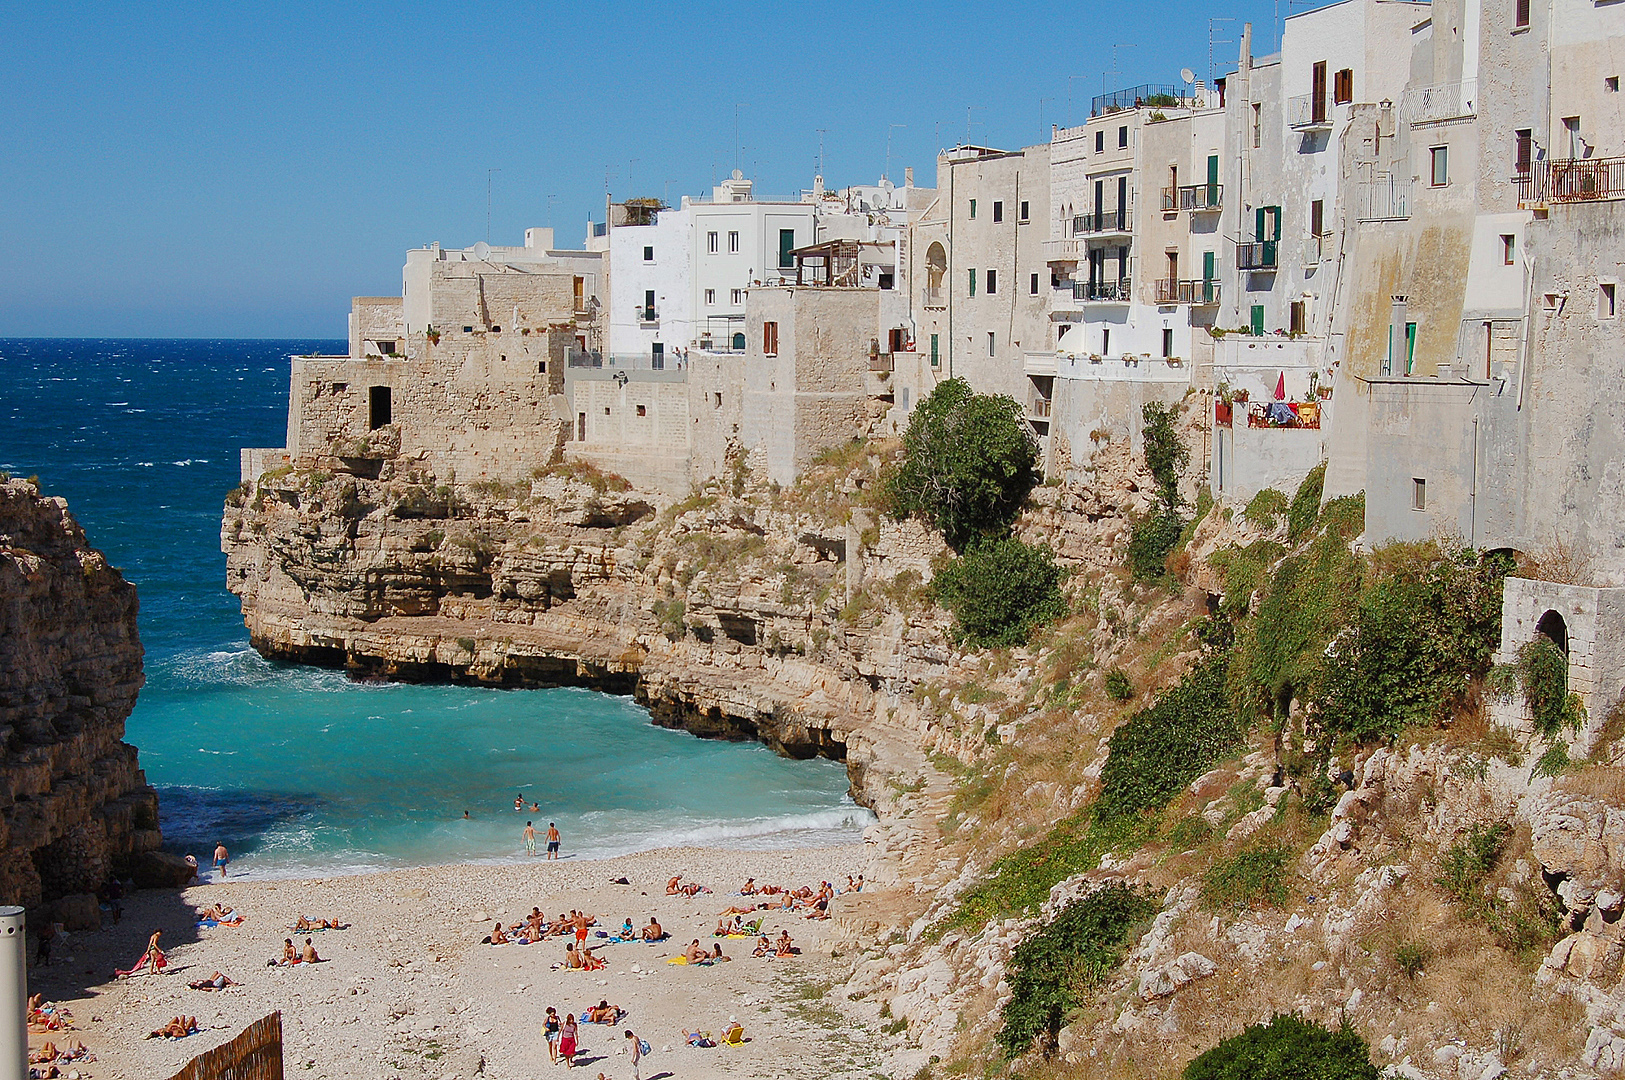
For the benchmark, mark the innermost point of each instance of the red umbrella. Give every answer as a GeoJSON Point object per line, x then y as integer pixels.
{"type": "Point", "coordinates": [1280, 387]}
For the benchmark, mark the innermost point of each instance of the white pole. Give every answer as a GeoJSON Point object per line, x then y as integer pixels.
{"type": "Point", "coordinates": [13, 995]}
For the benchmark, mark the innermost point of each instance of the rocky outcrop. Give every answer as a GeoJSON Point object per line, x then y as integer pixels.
{"type": "Point", "coordinates": [74, 805]}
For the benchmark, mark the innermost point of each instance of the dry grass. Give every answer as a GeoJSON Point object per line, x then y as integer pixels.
{"type": "Point", "coordinates": [1601, 781]}
{"type": "Point", "coordinates": [1562, 560]}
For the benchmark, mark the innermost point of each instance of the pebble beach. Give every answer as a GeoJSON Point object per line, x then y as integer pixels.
{"type": "Point", "coordinates": [409, 991]}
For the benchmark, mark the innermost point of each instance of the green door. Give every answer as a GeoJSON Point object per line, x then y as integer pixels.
{"type": "Point", "coordinates": [787, 244]}
{"type": "Point", "coordinates": [1208, 276]}
{"type": "Point", "coordinates": [1410, 348]}
{"type": "Point", "coordinates": [1258, 320]}
{"type": "Point", "coordinates": [1212, 180]}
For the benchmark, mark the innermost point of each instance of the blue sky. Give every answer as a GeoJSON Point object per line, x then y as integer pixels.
{"type": "Point", "coordinates": [242, 170]}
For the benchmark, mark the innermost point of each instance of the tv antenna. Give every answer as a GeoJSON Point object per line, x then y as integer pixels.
{"type": "Point", "coordinates": [821, 132]}
{"type": "Point", "coordinates": [1212, 41]}
{"type": "Point", "coordinates": [887, 174]}
{"type": "Point", "coordinates": [1113, 70]}
{"type": "Point", "coordinates": [488, 175]}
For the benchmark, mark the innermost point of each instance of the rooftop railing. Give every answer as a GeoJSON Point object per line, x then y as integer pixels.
{"type": "Point", "coordinates": [1120, 291]}
{"type": "Point", "coordinates": [1384, 198]}
{"type": "Point", "coordinates": [1146, 95]}
{"type": "Point", "coordinates": [1197, 197]}
{"type": "Point", "coordinates": [1572, 180]}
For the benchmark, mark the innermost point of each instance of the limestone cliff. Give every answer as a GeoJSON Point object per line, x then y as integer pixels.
{"type": "Point", "coordinates": [74, 804]}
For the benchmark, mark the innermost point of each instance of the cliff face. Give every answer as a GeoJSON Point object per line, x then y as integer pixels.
{"type": "Point", "coordinates": [74, 804]}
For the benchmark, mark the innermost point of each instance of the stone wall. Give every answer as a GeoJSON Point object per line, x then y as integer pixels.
{"type": "Point", "coordinates": [1593, 621]}
{"type": "Point", "coordinates": [376, 326]}
{"type": "Point", "coordinates": [74, 804]}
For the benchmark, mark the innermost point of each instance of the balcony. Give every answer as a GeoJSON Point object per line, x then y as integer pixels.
{"type": "Point", "coordinates": [1259, 255]}
{"type": "Point", "coordinates": [933, 298]}
{"type": "Point", "coordinates": [648, 317]}
{"type": "Point", "coordinates": [1118, 222]}
{"type": "Point", "coordinates": [1063, 251]}
{"type": "Point", "coordinates": [1309, 112]}
{"type": "Point", "coordinates": [1317, 248]}
{"type": "Point", "coordinates": [1199, 293]}
{"type": "Point", "coordinates": [1447, 101]}
{"type": "Point", "coordinates": [1120, 291]}
{"type": "Point", "coordinates": [882, 362]}
{"type": "Point", "coordinates": [1195, 197]}
{"type": "Point", "coordinates": [1384, 198]}
{"type": "Point", "coordinates": [1572, 180]}
{"type": "Point", "coordinates": [1038, 409]}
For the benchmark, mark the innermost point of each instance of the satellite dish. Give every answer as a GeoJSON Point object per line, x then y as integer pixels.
{"type": "Point", "coordinates": [1187, 74]}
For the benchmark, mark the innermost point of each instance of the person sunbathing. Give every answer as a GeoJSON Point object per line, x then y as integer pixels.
{"type": "Point", "coordinates": [627, 931]}
{"type": "Point", "coordinates": [735, 1033]}
{"type": "Point", "coordinates": [783, 947]}
{"type": "Point", "coordinates": [735, 909]}
{"type": "Point", "coordinates": [692, 889]}
{"type": "Point", "coordinates": [604, 1013]}
{"type": "Point", "coordinates": [696, 952]}
{"type": "Point", "coordinates": [671, 886]}
{"type": "Point", "coordinates": [44, 1055]}
{"type": "Point", "coordinates": [589, 962]}
{"type": "Point", "coordinates": [217, 981]}
{"type": "Point", "coordinates": [535, 919]}
{"type": "Point", "coordinates": [572, 959]}
{"type": "Point", "coordinates": [179, 1027]}
{"type": "Point", "coordinates": [748, 888]}
{"type": "Point", "coordinates": [308, 954]}
{"type": "Point", "coordinates": [290, 955]}
{"type": "Point", "coordinates": [497, 936]}
{"type": "Point", "coordinates": [763, 947]}
{"type": "Point", "coordinates": [722, 926]}
{"type": "Point", "coordinates": [218, 913]}
{"type": "Point", "coordinates": [652, 932]}
{"type": "Point", "coordinates": [698, 1038]}
{"type": "Point", "coordinates": [716, 955]}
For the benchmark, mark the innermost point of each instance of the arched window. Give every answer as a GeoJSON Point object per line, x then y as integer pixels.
{"type": "Point", "coordinates": [739, 342]}
{"type": "Point", "coordinates": [936, 268]}
{"type": "Point", "coordinates": [1552, 627]}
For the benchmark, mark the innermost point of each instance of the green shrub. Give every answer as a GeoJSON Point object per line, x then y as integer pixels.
{"type": "Point", "coordinates": [999, 590]}
{"type": "Point", "coordinates": [1305, 508]}
{"type": "Point", "coordinates": [1168, 744]}
{"type": "Point", "coordinates": [1257, 874]}
{"type": "Point", "coordinates": [1463, 868]}
{"type": "Point", "coordinates": [1266, 508]}
{"type": "Point", "coordinates": [668, 616]}
{"type": "Point", "coordinates": [1155, 535]}
{"type": "Point", "coordinates": [1119, 687]}
{"type": "Point", "coordinates": [1287, 1048]}
{"type": "Point", "coordinates": [1411, 957]}
{"type": "Point", "coordinates": [968, 464]}
{"type": "Point", "coordinates": [1541, 673]}
{"type": "Point", "coordinates": [1053, 970]}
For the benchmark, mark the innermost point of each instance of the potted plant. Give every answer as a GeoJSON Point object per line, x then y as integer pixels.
{"type": "Point", "coordinates": [1242, 395]}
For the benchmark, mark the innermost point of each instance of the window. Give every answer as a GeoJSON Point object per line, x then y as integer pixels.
{"type": "Point", "coordinates": [468, 329]}
{"type": "Point", "coordinates": [1167, 341]}
{"type": "Point", "coordinates": [716, 400]}
{"type": "Point", "coordinates": [648, 314]}
{"type": "Point", "coordinates": [1100, 141]}
{"type": "Point", "coordinates": [1033, 289]}
{"type": "Point", "coordinates": [1611, 84]}
{"type": "Point", "coordinates": [1419, 493]}
{"type": "Point", "coordinates": [1440, 156]}
{"type": "Point", "coordinates": [936, 358]}
{"type": "Point", "coordinates": [1317, 92]}
{"type": "Point", "coordinates": [1258, 125]}
{"type": "Point", "coordinates": [733, 243]}
{"type": "Point", "coordinates": [378, 407]}
{"type": "Point", "coordinates": [973, 282]}
{"type": "Point", "coordinates": [1297, 316]}
{"type": "Point", "coordinates": [1024, 216]}
{"type": "Point", "coordinates": [1605, 300]}
{"type": "Point", "coordinates": [1509, 244]}
{"type": "Point", "coordinates": [1571, 128]}
{"type": "Point", "coordinates": [897, 339]}
{"type": "Point", "coordinates": [973, 209]}
{"type": "Point", "coordinates": [710, 296]}
{"type": "Point", "coordinates": [580, 287]}
{"type": "Point", "coordinates": [990, 349]}
{"type": "Point", "coordinates": [1122, 136]}
{"type": "Point", "coordinates": [770, 339]}
{"type": "Point", "coordinates": [1105, 341]}
{"type": "Point", "coordinates": [1523, 150]}
{"type": "Point", "coordinates": [711, 242]}
{"type": "Point", "coordinates": [1343, 87]}
{"type": "Point", "coordinates": [998, 212]}
{"type": "Point", "coordinates": [736, 297]}
{"type": "Point", "coordinates": [787, 245]}
{"type": "Point", "coordinates": [992, 282]}
{"type": "Point", "coordinates": [648, 254]}
{"type": "Point", "coordinates": [1520, 13]}
{"type": "Point", "coordinates": [581, 427]}
{"type": "Point", "coordinates": [1317, 217]}
{"type": "Point", "coordinates": [643, 410]}
{"type": "Point", "coordinates": [340, 387]}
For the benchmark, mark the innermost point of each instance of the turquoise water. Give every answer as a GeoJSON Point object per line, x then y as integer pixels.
{"type": "Point", "coordinates": [299, 770]}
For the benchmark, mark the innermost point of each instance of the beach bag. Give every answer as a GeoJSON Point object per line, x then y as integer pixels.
{"type": "Point", "coordinates": [643, 1047]}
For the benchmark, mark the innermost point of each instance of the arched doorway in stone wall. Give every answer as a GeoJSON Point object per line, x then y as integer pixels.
{"type": "Point", "coordinates": [1555, 629]}
{"type": "Point", "coordinates": [936, 268]}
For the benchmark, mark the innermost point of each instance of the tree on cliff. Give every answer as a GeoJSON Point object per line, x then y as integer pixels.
{"type": "Point", "coordinates": [968, 464]}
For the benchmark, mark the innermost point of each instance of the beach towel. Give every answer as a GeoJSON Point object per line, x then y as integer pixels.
{"type": "Point", "coordinates": [141, 962]}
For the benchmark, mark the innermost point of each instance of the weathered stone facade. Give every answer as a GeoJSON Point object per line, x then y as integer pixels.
{"type": "Point", "coordinates": [74, 804]}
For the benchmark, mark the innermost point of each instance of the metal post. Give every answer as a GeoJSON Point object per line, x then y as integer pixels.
{"type": "Point", "coordinates": [13, 995]}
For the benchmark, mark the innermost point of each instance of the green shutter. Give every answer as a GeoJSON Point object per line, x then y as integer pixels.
{"type": "Point", "coordinates": [1258, 224]}
{"type": "Point", "coordinates": [1277, 235]}
{"type": "Point", "coordinates": [787, 244]}
{"type": "Point", "coordinates": [973, 282]}
{"type": "Point", "coordinates": [1212, 181]}
{"type": "Point", "coordinates": [1258, 320]}
{"type": "Point", "coordinates": [1207, 266]}
{"type": "Point", "coordinates": [1410, 348]}
{"type": "Point", "coordinates": [935, 362]}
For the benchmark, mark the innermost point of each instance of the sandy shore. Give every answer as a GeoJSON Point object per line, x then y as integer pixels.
{"type": "Point", "coordinates": [409, 992]}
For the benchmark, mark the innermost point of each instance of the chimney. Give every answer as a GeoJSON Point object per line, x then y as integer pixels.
{"type": "Point", "coordinates": [1245, 61]}
{"type": "Point", "coordinates": [908, 176]}
{"type": "Point", "coordinates": [1397, 352]}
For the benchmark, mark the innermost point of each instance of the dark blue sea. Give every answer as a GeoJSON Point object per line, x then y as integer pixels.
{"type": "Point", "coordinates": [300, 770]}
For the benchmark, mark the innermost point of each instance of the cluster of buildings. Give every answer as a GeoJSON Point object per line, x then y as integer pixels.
{"type": "Point", "coordinates": [1394, 246]}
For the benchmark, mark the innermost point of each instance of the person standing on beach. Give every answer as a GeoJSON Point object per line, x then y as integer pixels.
{"type": "Point", "coordinates": [220, 858]}
{"type": "Point", "coordinates": [530, 838]}
{"type": "Point", "coordinates": [552, 840]}
{"type": "Point", "coordinates": [550, 1029]}
{"type": "Point", "coordinates": [637, 1054]}
{"type": "Point", "coordinates": [567, 1040]}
